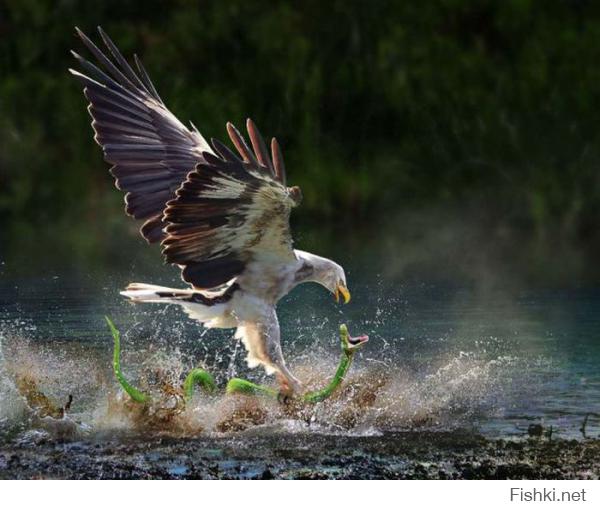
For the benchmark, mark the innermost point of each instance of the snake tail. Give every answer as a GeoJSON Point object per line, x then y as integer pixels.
{"type": "Point", "coordinates": [135, 394]}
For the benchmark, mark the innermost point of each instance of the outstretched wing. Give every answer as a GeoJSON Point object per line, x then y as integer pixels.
{"type": "Point", "coordinates": [230, 211]}
{"type": "Point", "coordinates": [150, 149]}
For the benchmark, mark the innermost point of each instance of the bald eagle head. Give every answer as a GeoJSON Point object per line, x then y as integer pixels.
{"type": "Point", "coordinates": [334, 279]}
{"type": "Point", "coordinates": [325, 272]}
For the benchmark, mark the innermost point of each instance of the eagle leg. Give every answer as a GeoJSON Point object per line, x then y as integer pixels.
{"type": "Point", "coordinates": [288, 384]}
{"type": "Point", "coordinates": [286, 388]}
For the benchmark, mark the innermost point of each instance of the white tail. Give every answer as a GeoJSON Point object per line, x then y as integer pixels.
{"type": "Point", "coordinates": [210, 308]}
{"type": "Point", "coordinates": [147, 293]}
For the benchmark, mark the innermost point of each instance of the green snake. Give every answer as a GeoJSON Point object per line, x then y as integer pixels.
{"type": "Point", "coordinates": [199, 377]}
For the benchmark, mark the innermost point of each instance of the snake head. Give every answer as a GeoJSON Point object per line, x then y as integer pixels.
{"type": "Point", "coordinates": [351, 343]}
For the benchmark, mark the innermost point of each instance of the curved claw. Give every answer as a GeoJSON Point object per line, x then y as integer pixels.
{"type": "Point", "coordinates": [284, 398]}
{"type": "Point", "coordinates": [285, 395]}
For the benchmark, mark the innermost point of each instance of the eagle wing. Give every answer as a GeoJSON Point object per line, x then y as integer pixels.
{"type": "Point", "coordinates": [213, 211]}
{"type": "Point", "coordinates": [150, 149]}
{"type": "Point", "coordinates": [231, 210]}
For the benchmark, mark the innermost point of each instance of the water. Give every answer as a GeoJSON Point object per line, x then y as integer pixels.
{"type": "Point", "coordinates": [441, 358]}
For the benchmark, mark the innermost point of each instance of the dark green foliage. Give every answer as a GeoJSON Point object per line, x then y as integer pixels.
{"type": "Point", "coordinates": [379, 106]}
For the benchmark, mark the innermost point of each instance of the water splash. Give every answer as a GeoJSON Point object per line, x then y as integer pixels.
{"type": "Point", "coordinates": [380, 394]}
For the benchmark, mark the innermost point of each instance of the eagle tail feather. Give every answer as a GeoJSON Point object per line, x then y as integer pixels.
{"type": "Point", "coordinates": [148, 293]}
{"type": "Point", "coordinates": [209, 307]}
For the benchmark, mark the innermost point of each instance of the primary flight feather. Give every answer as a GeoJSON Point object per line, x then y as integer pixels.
{"type": "Point", "coordinates": [222, 217]}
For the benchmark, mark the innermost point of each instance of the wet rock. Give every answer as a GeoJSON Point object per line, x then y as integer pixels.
{"type": "Point", "coordinates": [398, 455]}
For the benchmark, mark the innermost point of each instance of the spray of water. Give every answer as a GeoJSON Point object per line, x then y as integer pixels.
{"type": "Point", "coordinates": [68, 390]}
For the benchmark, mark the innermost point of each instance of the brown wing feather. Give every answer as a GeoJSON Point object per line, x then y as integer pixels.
{"type": "Point", "coordinates": [229, 211]}
{"type": "Point", "coordinates": [213, 220]}
{"type": "Point", "coordinates": [150, 149]}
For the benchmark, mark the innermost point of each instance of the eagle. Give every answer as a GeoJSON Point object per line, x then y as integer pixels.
{"type": "Point", "coordinates": [221, 216]}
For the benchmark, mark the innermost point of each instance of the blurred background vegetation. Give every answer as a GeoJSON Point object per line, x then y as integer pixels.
{"type": "Point", "coordinates": [453, 136]}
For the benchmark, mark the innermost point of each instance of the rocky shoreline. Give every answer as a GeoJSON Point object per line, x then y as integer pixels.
{"type": "Point", "coordinates": [392, 455]}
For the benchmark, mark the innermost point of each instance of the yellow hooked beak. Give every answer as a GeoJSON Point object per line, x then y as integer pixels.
{"type": "Point", "coordinates": [343, 291]}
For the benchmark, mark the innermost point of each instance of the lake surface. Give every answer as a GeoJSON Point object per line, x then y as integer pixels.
{"type": "Point", "coordinates": [440, 357]}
